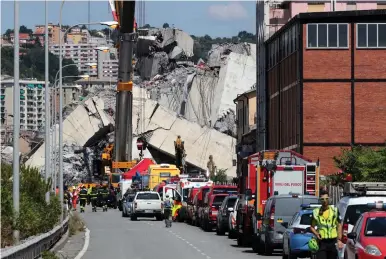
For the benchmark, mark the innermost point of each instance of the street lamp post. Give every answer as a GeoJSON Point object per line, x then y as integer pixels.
{"type": "Point", "coordinates": [16, 120]}
{"type": "Point", "coordinates": [61, 38]}
{"type": "Point", "coordinates": [48, 166]}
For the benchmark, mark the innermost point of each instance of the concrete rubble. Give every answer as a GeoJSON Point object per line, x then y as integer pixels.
{"type": "Point", "coordinates": [172, 96]}
{"type": "Point", "coordinates": [85, 137]}
{"type": "Point", "coordinates": [204, 93]}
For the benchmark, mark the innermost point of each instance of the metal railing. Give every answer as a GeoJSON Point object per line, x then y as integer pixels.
{"type": "Point", "coordinates": [33, 248]}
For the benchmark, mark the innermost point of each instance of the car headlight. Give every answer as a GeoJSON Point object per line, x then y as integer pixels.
{"type": "Point", "coordinates": [372, 250]}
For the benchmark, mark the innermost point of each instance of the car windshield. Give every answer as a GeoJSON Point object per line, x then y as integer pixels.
{"type": "Point", "coordinates": [353, 212]}
{"type": "Point", "coordinates": [231, 202]}
{"type": "Point", "coordinates": [289, 206]}
{"type": "Point", "coordinates": [217, 201]}
{"type": "Point", "coordinates": [147, 196]}
{"type": "Point", "coordinates": [185, 192]}
{"type": "Point", "coordinates": [306, 219]}
{"type": "Point", "coordinates": [376, 227]}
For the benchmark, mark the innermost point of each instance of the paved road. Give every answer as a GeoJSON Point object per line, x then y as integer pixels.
{"type": "Point", "coordinates": [112, 236]}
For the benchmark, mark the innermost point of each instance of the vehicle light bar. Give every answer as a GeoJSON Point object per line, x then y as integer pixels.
{"type": "Point", "coordinates": [379, 205]}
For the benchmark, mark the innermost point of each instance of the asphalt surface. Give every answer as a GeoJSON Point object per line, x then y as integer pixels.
{"type": "Point", "coordinates": [112, 236]}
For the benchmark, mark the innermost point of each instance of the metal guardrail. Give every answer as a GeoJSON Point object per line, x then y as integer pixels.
{"type": "Point", "coordinates": [33, 248]}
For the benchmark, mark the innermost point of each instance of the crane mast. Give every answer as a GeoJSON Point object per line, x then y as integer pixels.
{"type": "Point", "coordinates": [125, 13]}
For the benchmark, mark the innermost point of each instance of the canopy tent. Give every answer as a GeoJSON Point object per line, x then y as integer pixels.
{"type": "Point", "coordinates": [141, 167]}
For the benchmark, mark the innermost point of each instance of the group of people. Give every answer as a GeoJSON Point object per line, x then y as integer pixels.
{"type": "Point", "coordinates": [96, 196]}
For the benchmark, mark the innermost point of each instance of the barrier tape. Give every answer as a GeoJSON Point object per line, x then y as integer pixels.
{"type": "Point", "coordinates": [33, 248]}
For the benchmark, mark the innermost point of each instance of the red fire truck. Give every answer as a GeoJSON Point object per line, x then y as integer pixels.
{"type": "Point", "coordinates": [273, 172]}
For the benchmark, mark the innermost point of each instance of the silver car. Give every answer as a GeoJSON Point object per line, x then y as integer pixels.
{"type": "Point", "coordinates": [127, 203]}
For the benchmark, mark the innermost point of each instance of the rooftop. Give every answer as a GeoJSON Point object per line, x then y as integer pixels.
{"type": "Point", "coordinates": [378, 15]}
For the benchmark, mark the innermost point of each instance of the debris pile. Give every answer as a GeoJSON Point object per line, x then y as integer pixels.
{"type": "Point", "coordinates": [198, 97]}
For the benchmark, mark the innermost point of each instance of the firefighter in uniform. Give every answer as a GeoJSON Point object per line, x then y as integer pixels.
{"type": "Point", "coordinates": [329, 231]}
{"type": "Point", "coordinates": [89, 190]}
{"type": "Point", "coordinates": [83, 198]}
{"type": "Point", "coordinates": [105, 196]}
{"type": "Point", "coordinates": [93, 198]}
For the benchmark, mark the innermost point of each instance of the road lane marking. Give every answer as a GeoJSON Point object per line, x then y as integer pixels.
{"type": "Point", "coordinates": [85, 245]}
{"type": "Point", "coordinates": [190, 244]}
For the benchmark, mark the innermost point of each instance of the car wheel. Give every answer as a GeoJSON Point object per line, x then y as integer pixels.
{"type": "Point", "coordinates": [220, 230]}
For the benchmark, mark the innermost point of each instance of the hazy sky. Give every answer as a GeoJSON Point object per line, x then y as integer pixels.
{"type": "Point", "coordinates": [219, 18]}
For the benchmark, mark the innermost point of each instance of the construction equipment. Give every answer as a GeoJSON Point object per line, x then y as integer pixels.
{"type": "Point", "coordinates": [123, 13]}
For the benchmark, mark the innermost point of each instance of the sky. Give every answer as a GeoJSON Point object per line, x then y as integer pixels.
{"type": "Point", "coordinates": [217, 19]}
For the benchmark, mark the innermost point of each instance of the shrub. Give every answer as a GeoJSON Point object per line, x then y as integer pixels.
{"type": "Point", "coordinates": [363, 163]}
{"type": "Point", "coordinates": [76, 224]}
{"type": "Point", "coordinates": [220, 176]}
{"type": "Point", "coordinates": [36, 216]}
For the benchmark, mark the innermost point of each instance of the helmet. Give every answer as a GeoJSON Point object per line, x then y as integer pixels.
{"type": "Point", "coordinates": [313, 245]}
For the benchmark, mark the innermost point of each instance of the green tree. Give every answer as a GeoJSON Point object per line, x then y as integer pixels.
{"type": "Point", "coordinates": [36, 216]}
{"type": "Point", "coordinates": [220, 177]}
{"type": "Point", "coordinates": [363, 163]}
{"type": "Point", "coordinates": [165, 25]}
{"type": "Point", "coordinates": [146, 26]}
{"type": "Point", "coordinates": [32, 64]}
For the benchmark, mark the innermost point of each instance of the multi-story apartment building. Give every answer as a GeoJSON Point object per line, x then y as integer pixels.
{"type": "Point", "coordinates": [271, 15]}
{"type": "Point", "coordinates": [32, 104]}
{"type": "Point", "coordinates": [24, 38]}
{"type": "Point", "coordinates": [78, 36]}
{"type": "Point", "coordinates": [53, 33]}
{"type": "Point", "coordinates": [81, 54]}
{"type": "Point", "coordinates": [110, 68]}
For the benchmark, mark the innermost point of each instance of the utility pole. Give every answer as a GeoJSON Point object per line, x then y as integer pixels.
{"type": "Point", "coordinates": [16, 121]}
{"type": "Point", "coordinates": [124, 106]}
{"type": "Point", "coordinates": [47, 107]}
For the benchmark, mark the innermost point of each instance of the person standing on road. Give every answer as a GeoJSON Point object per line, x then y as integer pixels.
{"type": "Point", "coordinates": [168, 205]}
{"type": "Point", "coordinates": [83, 198]}
{"type": "Point", "coordinates": [327, 228]}
{"type": "Point", "coordinates": [74, 197]}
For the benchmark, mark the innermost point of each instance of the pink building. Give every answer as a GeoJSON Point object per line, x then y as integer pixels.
{"type": "Point", "coordinates": [280, 12]}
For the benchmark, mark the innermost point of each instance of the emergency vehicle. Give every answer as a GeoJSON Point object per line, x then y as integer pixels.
{"type": "Point", "coordinates": [274, 172]}
{"type": "Point", "coordinates": [215, 189]}
{"type": "Point", "coordinates": [183, 188]}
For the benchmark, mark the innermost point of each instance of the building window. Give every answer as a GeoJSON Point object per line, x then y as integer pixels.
{"type": "Point", "coordinates": [371, 35]}
{"type": "Point", "coordinates": [327, 35]}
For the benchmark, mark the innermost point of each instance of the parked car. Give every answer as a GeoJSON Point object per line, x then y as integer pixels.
{"type": "Point", "coordinates": [278, 212]}
{"type": "Point", "coordinates": [127, 205]}
{"type": "Point", "coordinates": [232, 232]}
{"type": "Point", "coordinates": [210, 211]}
{"type": "Point", "coordinates": [354, 203]}
{"type": "Point", "coordinates": [223, 215]}
{"type": "Point", "coordinates": [147, 204]}
{"type": "Point", "coordinates": [296, 236]}
{"type": "Point", "coordinates": [368, 237]}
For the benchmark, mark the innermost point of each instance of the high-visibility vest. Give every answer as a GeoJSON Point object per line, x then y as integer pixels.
{"type": "Point", "coordinates": [327, 228]}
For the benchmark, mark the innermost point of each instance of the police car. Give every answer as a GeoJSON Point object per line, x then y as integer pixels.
{"type": "Point", "coordinates": [297, 236]}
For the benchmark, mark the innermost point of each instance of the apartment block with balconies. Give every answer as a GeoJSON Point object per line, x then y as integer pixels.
{"type": "Point", "coordinates": [32, 104]}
